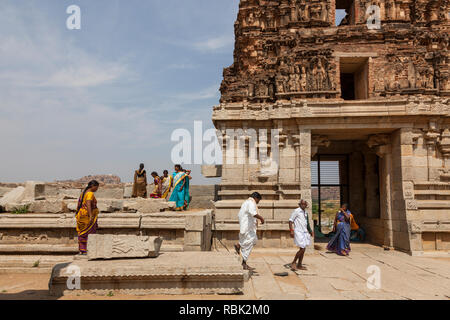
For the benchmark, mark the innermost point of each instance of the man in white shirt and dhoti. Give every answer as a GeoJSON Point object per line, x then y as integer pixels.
{"type": "Point", "coordinates": [301, 232]}
{"type": "Point", "coordinates": [247, 225]}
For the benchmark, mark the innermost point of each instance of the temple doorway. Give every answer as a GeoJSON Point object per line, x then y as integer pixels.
{"type": "Point", "coordinates": [345, 171]}
{"type": "Point", "coordinates": [330, 188]}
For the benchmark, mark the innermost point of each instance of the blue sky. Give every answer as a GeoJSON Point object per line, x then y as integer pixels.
{"type": "Point", "coordinates": [104, 98]}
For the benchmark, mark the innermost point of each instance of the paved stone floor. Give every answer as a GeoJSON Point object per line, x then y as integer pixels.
{"type": "Point", "coordinates": [328, 277]}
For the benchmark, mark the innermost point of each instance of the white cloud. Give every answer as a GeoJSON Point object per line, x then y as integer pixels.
{"type": "Point", "coordinates": [208, 93]}
{"type": "Point", "coordinates": [215, 43]}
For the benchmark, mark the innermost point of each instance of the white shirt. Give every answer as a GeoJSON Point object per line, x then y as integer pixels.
{"type": "Point", "coordinates": [299, 218]}
{"type": "Point", "coordinates": [247, 220]}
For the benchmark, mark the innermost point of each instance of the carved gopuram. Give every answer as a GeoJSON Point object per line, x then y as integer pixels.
{"type": "Point", "coordinates": [376, 100]}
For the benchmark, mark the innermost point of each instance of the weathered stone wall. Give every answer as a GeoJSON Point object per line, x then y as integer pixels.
{"type": "Point", "coordinates": [203, 196]}
{"type": "Point", "coordinates": [55, 233]}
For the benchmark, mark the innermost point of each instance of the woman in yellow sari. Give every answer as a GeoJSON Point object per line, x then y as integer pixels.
{"type": "Point", "coordinates": [166, 184]}
{"type": "Point", "coordinates": [87, 214]}
{"type": "Point", "coordinates": [157, 191]}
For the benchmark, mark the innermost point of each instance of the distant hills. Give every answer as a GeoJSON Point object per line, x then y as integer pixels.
{"type": "Point", "coordinates": [102, 178]}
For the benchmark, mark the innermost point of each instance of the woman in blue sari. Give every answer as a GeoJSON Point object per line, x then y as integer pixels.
{"type": "Point", "coordinates": [178, 193]}
{"type": "Point", "coordinates": [340, 242]}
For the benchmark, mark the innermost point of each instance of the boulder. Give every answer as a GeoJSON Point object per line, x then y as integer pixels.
{"type": "Point", "coordinates": [69, 194]}
{"type": "Point", "coordinates": [109, 193]}
{"type": "Point", "coordinates": [4, 190]}
{"type": "Point", "coordinates": [14, 196]}
{"type": "Point", "coordinates": [109, 205]}
{"type": "Point", "coordinates": [109, 246]}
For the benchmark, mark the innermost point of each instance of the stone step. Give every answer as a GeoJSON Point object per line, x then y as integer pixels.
{"type": "Point", "coordinates": [433, 204]}
{"type": "Point", "coordinates": [170, 273]}
{"type": "Point", "coordinates": [53, 249]}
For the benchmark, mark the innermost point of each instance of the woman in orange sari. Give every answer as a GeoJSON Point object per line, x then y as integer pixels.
{"type": "Point", "coordinates": [87, 214]}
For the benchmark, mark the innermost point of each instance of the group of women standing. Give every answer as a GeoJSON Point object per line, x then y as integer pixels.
{"type": "Point", "coordinates": [163, 184]}
{"type": "Point", "coordinates": [87, 210]}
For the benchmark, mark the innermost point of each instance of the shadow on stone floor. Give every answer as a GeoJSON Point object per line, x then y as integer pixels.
{"type": "Point", "coordinates": [28, 295]}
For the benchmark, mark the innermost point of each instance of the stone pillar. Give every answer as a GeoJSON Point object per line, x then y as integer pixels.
{"type": "Point", "coordinates": [382, 145]}
{"type": "Point", "coordinates": [305, 164]}
{"type": "Point", "coordinates": [356, 181]}
{"type": "Point", "coordinates": [372, 182]}
{"type": "Point", "coordinates": [305, 171]}
{"type": "Point", "coordinates": [431, 138]}
{"type": "Point", "coordinates": [384, 152]}
{"type": "Point", "coordinates": [444, 147]}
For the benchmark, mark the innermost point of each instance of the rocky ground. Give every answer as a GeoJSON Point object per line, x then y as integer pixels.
{"type": "Point", "coordinates": [328, 277]}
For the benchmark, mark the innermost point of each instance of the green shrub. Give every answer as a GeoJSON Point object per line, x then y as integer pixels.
{"type": "Point", "coordinates": [21, 210]}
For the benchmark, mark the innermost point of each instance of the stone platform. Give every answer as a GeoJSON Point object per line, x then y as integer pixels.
{"type": "Point", "coordinates": [171, 273]}
{"type": "Point", "coordinates": [51, 234]}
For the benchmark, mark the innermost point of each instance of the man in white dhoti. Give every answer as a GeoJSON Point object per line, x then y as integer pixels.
{"type": "Point", "coordinates": [247, 223]}
{"type": "Point", "coordinates": [301, 232]}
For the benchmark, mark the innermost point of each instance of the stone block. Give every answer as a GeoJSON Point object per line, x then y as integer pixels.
{"type": "Point", "coordinates": [195, 223]}
{"type": "Point", "coordinates": [34, 190]}
{"type": "Point", "coordinates": [406, 150]}
{"type": "Point", "coordinates": [226, 214]}
{"type": "Point", "coordinates": [128, 192]}
{"type": "Point", "coordinates": [69, 194]}
{"type": "Point", "coordinates": [108, 246]}
{"type": "Point", "coordinates": [282, 214]}
{"type": "Point", "coordinates": [212, 171]}
{"type": "Point", "coordinates": [193, 238]}
{"type": "Point", "coordinates": [46, 206]}
{"type": "Point", "coordinates": [110, 193]}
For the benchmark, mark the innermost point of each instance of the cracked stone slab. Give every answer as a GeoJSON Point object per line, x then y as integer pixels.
{"type": "Point", "coordinates": [109, 246]}
{"type": "Point", "coordinates": [171, 273]}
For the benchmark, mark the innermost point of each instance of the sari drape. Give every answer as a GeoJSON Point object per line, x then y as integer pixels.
{"type": "Point", "coordinates": [85, 226]}
{"type": "Point", "coordinates": [178, 196]}
{"type": "Point", "coordinates": [140, 184]}
{"type": "Point", "coordinates": [340, 242]}
{"type": "Point", "coordinates": [187, 196]}
{"type": "Point", "coordinates": [156, 194]}
{"type": "Point", "coordinates": [166, 186]}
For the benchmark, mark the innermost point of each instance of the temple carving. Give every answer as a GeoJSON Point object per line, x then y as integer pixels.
{"type": "Point", "coordinates": [361, 84]}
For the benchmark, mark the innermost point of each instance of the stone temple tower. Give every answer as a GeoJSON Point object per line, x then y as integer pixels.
{"type": "Point", "coordinates": [371, 99]}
